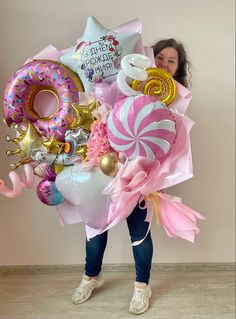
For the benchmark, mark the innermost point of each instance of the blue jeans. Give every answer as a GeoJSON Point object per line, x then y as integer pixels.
{"type": "Point", "coordinates": [142, 253]}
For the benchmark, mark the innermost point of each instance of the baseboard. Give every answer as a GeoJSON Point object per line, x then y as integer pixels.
{"type": "Point", "coordinates": [33, 269]}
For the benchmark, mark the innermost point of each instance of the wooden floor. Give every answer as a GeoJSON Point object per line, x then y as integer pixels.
{"type": "Point", "coordinates": [176, 295]}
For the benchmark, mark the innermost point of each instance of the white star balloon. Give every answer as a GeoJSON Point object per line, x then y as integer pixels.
{"type": "Point", "coordinates": [83, 189]}
{"type": "Point", "coordinates": [98, 54]}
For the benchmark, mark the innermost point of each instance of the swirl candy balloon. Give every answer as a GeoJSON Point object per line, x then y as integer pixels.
{"type": "Point", "coordinates": [159, 83]}
{"type": "Point", "coordinates": [141, 126]}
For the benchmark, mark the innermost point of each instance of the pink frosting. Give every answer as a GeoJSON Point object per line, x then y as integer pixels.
{"type": "Point", "coordinates": [28, 81]}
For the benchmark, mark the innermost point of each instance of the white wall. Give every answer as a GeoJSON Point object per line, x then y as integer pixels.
{"type": "Point", "coordinates": [30, 232]}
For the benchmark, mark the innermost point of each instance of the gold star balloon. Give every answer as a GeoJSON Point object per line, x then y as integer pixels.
{"type": "Point", "coordinates": [84, 117]}
{"type": "Point", "coordinates": [82, 152]}
{"type": "Point", "coordinates": [53, 145]}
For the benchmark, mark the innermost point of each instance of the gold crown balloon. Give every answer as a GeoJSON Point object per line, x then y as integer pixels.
{"type": "Point", "coordinates": [84, 115]}
{"type": "Point", "coordinates": [159, 83]}
{"type": "Point", "coordinates": [28, 139]}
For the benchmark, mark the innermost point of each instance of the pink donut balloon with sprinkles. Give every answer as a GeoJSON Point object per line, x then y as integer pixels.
{"type": "Point", "coordinates": [141, 126]}
{"type": "Point", "coordinates": [39, 76]}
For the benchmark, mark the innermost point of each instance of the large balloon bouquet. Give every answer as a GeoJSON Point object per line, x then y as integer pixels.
{"type": "Point", "coordinates": [117, 137]}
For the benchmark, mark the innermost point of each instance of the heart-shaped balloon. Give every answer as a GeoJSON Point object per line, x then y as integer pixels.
{"type": "Point", "coordinates": [83, 187]}
{"type": "Point", "coordinates": [107, 93]}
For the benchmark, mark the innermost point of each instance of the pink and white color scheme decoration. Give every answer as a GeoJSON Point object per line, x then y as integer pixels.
{"type": "Point", "coordinates": [151, 139]}
{"type": "Point", "coordinates": [141, 126]}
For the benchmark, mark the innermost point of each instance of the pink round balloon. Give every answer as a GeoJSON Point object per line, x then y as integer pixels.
{"type": "Point", "coordinates": [141, 126]}
{"type": "Point", "coordinates": [48, 193]}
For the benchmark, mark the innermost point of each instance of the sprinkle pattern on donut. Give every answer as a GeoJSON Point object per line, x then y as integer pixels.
{"type": "Point", "coordinates": [18, 103]}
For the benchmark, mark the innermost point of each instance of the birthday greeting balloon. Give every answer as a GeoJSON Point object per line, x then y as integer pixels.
{"type": "Point", "coordinates": [98, 54]}
{"type": "Point", "coordinates": [141, 126]}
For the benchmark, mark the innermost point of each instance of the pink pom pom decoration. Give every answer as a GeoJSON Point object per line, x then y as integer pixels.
{"type": "Point", "coordinates": [98, 144]}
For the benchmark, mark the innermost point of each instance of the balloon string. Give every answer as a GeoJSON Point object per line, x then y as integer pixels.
{"type": "Point", "coordinates": [153, 198]}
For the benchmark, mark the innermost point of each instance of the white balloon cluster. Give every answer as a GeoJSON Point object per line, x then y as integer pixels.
{"type": "Point", "coordinates": [133, 67]}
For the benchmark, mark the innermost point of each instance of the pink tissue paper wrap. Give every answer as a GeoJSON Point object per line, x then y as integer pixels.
{"type": "Point", "coordinates": [141, 177]}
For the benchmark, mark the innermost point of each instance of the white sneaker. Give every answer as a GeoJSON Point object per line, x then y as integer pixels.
{"type": "Point", "coordinates": [140, 300]}
{"type": "Point", "coordinates": [87, 285]}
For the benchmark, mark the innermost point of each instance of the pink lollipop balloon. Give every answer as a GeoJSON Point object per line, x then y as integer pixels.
{"type": "Point", "coordinates": [141, 126]}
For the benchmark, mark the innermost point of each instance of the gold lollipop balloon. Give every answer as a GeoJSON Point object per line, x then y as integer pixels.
{"type": "Point", "coordinates": [159, 83]}
{"type": "Point", "coordinates": [109, 164]}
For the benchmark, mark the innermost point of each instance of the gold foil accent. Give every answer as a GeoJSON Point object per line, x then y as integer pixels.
{"type": "Point", "coordinates": [159, 83]}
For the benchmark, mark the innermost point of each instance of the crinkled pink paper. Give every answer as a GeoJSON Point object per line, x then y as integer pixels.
{"type": "Point", "coordinates": [140, 177]}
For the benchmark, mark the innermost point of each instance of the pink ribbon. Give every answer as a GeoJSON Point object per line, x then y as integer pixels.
{"type": "Point", "coordinates": [177, 219]}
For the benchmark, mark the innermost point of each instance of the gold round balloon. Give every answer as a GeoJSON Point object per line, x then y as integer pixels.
{"type": "Point", "coordinates": [109, 164]}
{"type": "Point", "coordinates": [159, 83]}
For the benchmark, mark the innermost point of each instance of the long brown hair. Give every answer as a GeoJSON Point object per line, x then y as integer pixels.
{"type": "Point", "coordinates": [183, 74]}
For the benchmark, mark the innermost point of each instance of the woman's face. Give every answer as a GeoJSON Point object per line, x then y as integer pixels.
{"type": "Point", "coordinates": [168, 60]}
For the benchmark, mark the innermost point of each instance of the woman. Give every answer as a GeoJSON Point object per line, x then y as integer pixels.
{"type": "Point", "coordinates": [170, 56]}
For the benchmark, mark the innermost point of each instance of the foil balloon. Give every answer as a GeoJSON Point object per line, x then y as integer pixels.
{"type": "Point", "coordinates": [30, 80]}
{"type": "Point", "coordinates": [109, 164]}
{"type": "Point", "coordinates": [82, 152]}
{"type": "Point", "coordinates": [159, 83]}
{"type": "Point", "coordinates": [74, 150]}
{"type": "Point", "coordinates": [84, 115]}
{"type": "Point", "coordinates": [141, 126]}
{"type": "Point", "coordinates": [73, 139]}
{"type": "Point", "coordinates": [53, 145]}
{"type": "Point", "coordinates": [132, 67]}
{"type": "Point", "coordinates": [26, 142]}
{"type": "Point", "coordinates": [83, 187]}
{"type": "Point", "coordinates": [107, 93]}
{"type": "Point", "coordinates": [48, 194]}
{"type": "Point", "coordinates": [44, 171]}
{"type": "Point", "coordinates": [18, 183]}
{"type": "Point", "coordinates": [98, 54]}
